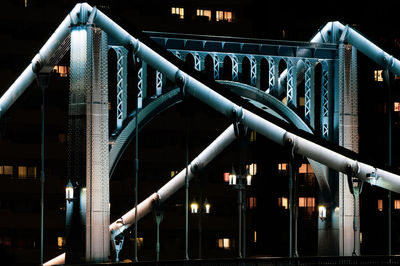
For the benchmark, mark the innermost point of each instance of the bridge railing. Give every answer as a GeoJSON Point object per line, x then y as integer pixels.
{"type": "Point", "coordinates": [304, 261]}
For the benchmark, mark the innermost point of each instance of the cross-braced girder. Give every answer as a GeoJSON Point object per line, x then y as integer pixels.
{"type": "Point", "coordinates": [303, 146]}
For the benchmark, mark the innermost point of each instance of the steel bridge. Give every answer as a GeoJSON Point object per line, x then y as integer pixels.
{"type": "Point", "coordinates": [263, 85]}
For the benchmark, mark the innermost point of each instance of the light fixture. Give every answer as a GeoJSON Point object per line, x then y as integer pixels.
{"type": "Point", "coordinates": [207, 206]}
{"type": "Point", "coordinates": [232, 177]}
{"type": "Point", "coordinates": [69, 191]}
{"type": "Point", "coordinates": [194, 207]}
{"type": "Point", "coordinates": [322, 212]}
{"type": "Point", "coordinates": [248, 179]}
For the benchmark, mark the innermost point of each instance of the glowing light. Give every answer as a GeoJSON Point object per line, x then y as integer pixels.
{"type": "Point", "coordinates": [194, 207]}
{"type": "Point", "coordinates": [208, 207]}
{"type": "Point", "coordinates": [69, 191]}
{"type": "Point", "coordinates": [322, 212]}
{"type": "Point", "coordinates": [248, 179]}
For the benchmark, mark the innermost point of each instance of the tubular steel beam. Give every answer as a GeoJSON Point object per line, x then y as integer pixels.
{"type": "Point", "coordinates": [336, 32]}
{"type": "Point", "coordinates": [145, 207]}
{"type": "Point", "coordinates": [197, 89]}
{"type": "Point", "coordinates": [273, 132]}
{"type": "Point", "coordinates": [45, 53]}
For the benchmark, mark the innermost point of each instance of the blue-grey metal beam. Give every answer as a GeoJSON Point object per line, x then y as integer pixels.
{"type": "Point", "coordinates": [336, 32]}
{"type": "Point", "coordinates": [223, 105]}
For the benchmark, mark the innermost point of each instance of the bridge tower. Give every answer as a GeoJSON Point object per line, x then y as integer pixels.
{"type": "Point", "coordinates": [87, 230]}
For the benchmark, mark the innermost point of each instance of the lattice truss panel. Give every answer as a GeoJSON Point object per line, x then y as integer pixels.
{"type": "Point", "coordinates": [88, 133]}
{"type": "Point", "coordinates": [122, 76]}
{"type": "Point", "coordinates": [297, 69]}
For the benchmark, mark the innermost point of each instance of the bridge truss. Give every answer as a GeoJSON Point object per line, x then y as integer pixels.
{"type": "Point", "coordinates": [333, 48]}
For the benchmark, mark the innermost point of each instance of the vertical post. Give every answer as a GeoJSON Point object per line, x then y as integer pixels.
{"type": "Point", "coordinates": [295, 205]}
{"type": "Point", "coordinates": [136, 179]}
{"type": "Point", "coordinates": [291, 206]}
{"type": "Point", "coordinates": [293, 214]}
{"type": "Point", "coordinates": [139, 105]}
{"type": "Point", "coordinates": [355, 227]}
{"type": "Point", "coordinates": [139, 101]}
{"type": "Point", "coordinates": [159, 217]}
{"type": "Point", "coordinates": [42, 186]}
{"type": "Point", "coordinates": [347, 133]}
{"type": "Point", "coordinates": [187, 188]}
{"type": "Point", "coordinates": [244, 217]}
{"type": "Point", "coordinates": [201, 209]}
{"type": "Point", "coordinates": [390, 109]}
{"type": "Point", "coordinates": [240, 217]}
{"type": "Point", "coordinates": [158, 239]}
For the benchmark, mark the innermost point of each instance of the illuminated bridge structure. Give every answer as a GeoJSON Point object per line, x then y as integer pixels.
{"type": "Point", "coordinates": [262, 85]}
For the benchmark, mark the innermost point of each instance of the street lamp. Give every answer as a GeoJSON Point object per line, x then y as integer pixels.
{"type": "Point", "coordinates": [232, 177]}
{"type": "Point", "coordinates": [322, 212]}
{"type": "Point", "coordinates": [207, 206]}
{"type": "Point", "coordinates": [194, 207]}
{"type": "Point", "coordinates": [200, 210]}
{"type": "Point", "coordinates": [69, 191]}
{"type": "Point", "coordinates": [248, 179]}
{"type": "Point", "coordinates": [241, 182]}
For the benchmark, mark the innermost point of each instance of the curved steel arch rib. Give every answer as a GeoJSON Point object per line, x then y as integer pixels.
{"type": "Point", "coordinates": [280, 110]}
{"type": "Point", "coordinates": [121, 138]}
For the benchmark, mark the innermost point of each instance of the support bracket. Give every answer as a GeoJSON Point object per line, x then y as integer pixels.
{"type": "Point", "coordinates": [236, 117]}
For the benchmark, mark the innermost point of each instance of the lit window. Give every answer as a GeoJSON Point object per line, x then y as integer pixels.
{"type": "Point", "coordinates": [26, 3]}
{"type": "Point", "coordinates": [204, 13]}
{"type": "Point", "coordinates": [174, 172]}
{"type": "Point", "coordinates": [283, 202]}
{"type": "Point", "coordinates": [252, 168]}
{"type": "Point", "coordinates": [255, 237]}
{"type": "Point", "coordinates": [305, 169]}
{"type": "Point", "coordinates": [397, 204]}
{"type": "Point", "coordinates": [282, 167]}
{"type": "Point", "coordinates": [302, 101]}
{"type": "Point", "coordinates": [6, 170]}
{"type": "Point", "coordinates": [380, 205]}
{"type": "Point", "coordinates": [226, 177]}
{"type": "Point", "coordinates": [27, 172]}
{"type": "Point", "coordinates": [22, 172]}
{"type": "Point", "coordinates": [140, 242]}
{"type": "Point", "coordinates": [179, 11]}
{"type": "Point", "coordinates": [396, 107]}
{"type": "Point", "coordinates": [307, 202]}
{"type": "Point", "coordinates": [60, 242]}
{"type": "Point", "coordinates": [63, 71]}
{"type": "Point", "coordinates": [32, 172]}
{"type": "Point", "coordinates": [224, 243]}
{"type": "Point", "coordinates": [224, 16]}
{"type": "Point", "coordinates": [253, 136]}
{"type": "Point", "coordinates": [252, 202]}
{"type": "Point", "coordinates": [378, 75]}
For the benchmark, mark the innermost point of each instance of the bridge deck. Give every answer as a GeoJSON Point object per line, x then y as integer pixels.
{"type": "Point", "coordinates": [351, 260]}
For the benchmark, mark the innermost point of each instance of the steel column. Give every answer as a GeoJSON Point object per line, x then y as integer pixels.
{"type": "Point", "coordinates": [122, 84]}
{"type": "Point", "coordinates": [97, 176]}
